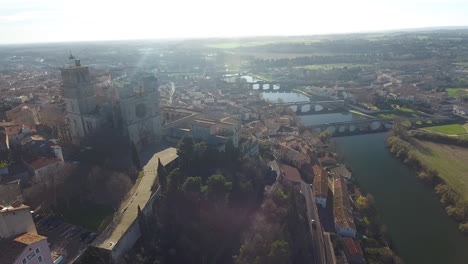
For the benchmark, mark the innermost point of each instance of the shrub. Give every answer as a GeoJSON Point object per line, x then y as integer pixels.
{"type": "Point", "coordinates": [463, 228]}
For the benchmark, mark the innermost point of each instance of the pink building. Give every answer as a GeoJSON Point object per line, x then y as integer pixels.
{"type": "Point", "coordinates": [28, 248]}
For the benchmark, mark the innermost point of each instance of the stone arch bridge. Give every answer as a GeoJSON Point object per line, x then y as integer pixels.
{"type": "Point", "coordinates": [300, 107]}
{"type": "Point", "coordinates": [368, 125]}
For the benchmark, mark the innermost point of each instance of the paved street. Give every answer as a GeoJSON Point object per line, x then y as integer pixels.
{"type": "Point", "coordinates": [322, 254]}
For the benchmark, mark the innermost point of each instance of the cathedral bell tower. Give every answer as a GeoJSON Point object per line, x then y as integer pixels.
{"type": "Point", "coordinates": [77, 91]}
{"type": "Point", "coordinates": [139, 104]}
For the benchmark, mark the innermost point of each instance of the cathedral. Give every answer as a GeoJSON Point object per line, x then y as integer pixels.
{"type": "Point", "coordinates": [133, 108]}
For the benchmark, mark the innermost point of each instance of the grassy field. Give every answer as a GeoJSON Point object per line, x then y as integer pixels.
{"type": "Point", "coordinates": [457, 92]}
{"type": "Point", "coordinates": [261, 77]}
{"type": "Point", "coordinates": [404, 109]}
{"type": "Point", "coordinates": [91, 216]}
{"type": "Point", "coordinates": [332, 66]}
{"type": "Point", "coordinates": [454, 129]}
{"type": "Point", "coordinates": [465, 64]}
{"type": "Point", "coordinates": [239, 44]}
{"type": "Point", "coordinates": [399, 113]}
{"type": "Point", "coordinates": [449, 161]}
{"type": "Point", "coordinates": [387, 116]}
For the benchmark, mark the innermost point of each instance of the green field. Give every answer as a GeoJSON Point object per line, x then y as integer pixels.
{"type": "Point", "coordinates": [404, 109]}
{"type": "Point", "coordinates": [449, 161]}
{"type": "Point", "coordinates": [261, 77]}
{"type": "Point", "coordinates": [241, 44]}
{"type": "Point", "coordinates": [387, 116]}
{"type": "Point", "coordinates": [454, 129]}
{"type": "Point", "coordinates": [91, 216]}
{"type": "Point", "coordinates": [332, 66]}
{"type": "Point", "coordinates": [465, 64]}
{"type": "Point", "coordinates": [399, 113]}
{"type": "Point", "coordinates": [457, 92]}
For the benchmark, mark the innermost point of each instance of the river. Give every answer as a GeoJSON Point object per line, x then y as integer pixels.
{"type": "Point", "coordinates": [309, 120]}
{"type": "Point", "coordinates": [420, 229]}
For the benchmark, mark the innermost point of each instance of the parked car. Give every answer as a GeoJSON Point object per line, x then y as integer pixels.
{"type": "Point", "coordinates": [55, 224]}
{"type": "Point", "coordinates": [65, 233]}
{"type": "Point", "coordinates": [84, 235]}
{"type": "Point", "coordinates": [45, 221]}
{"type": "Point", "coordinates": [37, 218]}
{"type": "Point", "coordinates": [74, 232]}
{"type": "Point", "coordinates": [90, 238]}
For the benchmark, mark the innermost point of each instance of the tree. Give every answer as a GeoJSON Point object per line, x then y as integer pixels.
{"type": "Point", "coordinates": [185, 150]}
{"type": "Point", "coordinates": [265, 151]}
{"type": "Point", "coordinates": [162, 175]}
{"type": "Point", "coordinates": [399, 130]}
{"type": "Point", "coordinates": [463, 228]}
{"type": "Point", "coordinates": [279, 252]}
{"type": "Point", "coordinates": [174, 179]}
{"type": "Point", "coordinates": [232, 153]}
{"type": "Point", "coordinates": [325, 136]}
{"type": "Point", "coordinates": [135, 157]}
{"type": "Point", "coordinates": [192, 185]}
{"type": "Point", "coordinates": [447, 195]}
{"type": "Point", "coordinates": [218, 187]}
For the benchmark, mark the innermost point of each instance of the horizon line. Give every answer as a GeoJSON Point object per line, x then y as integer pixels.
{"type": "Point", "coordinates": [396, 30]}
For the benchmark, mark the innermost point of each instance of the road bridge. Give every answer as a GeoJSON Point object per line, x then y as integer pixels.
{"type": "Point", "coordinates": [371, 125]}
{"type": "Point", "coordinates": [307, 107]}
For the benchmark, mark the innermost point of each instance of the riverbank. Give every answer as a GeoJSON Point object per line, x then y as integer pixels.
{"type": "Point", "coordinates": [410, 211]}
{"type": "Point", "coordinates": [375, 240]}
{"type": "Point", "coordinates": [371, 233]}
{"type": "Point", "coordinates": [442, 166]}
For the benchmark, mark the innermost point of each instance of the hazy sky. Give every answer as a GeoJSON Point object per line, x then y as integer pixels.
{"type": "Point", "coordinates": [65, 20]}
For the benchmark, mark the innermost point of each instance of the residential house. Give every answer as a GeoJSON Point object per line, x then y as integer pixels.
{"type": "Point", "coordinates": [461, 109]}
{"type": "Point", "coordinates": [27, 248]}
{"type": "Point", "coordinates": [13, 136]}
{"type": "Point", "coordinates": [287, 130]}
{"type": "Point", "coordinates": [25, 114]}
{"type": "Point", "coordinates": [342, 210]}
{"type": "Point", "coordinates": [202, 129]}
{"type": "Point", "coordinates": [290, 174]}
{"type": "Point", "coordinates": [292, 156]}
{"type": "Point", "coordinates": [10, 192]}
{"type": "Point", "coordinates": [328, 161]}
{"type": "Point", "coordinates": [445, 108]}
{"type": "Point", "coordinates": [249, 146]}
{"type": "Point", "coordinates": [341, 172]}
{"type": "Point", "coordinates": [353, 251]}
{"type": "Point", "coordinates": [20, 243]}
{"type": "Point", "coordinates": [43, 167]}
{"type": "Point", "coordinates": [320, 186]}
{"type": "Point", "coordinates": [15, 219]}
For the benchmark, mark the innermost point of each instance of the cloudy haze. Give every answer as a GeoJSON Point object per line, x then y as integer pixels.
{"type": "Point", "coordinates": [52, 20]}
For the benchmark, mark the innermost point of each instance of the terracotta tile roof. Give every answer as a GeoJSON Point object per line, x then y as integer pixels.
{"type": "Point", "coordinates": [11, 248]}
{"type": "Point", "coordinates": [29, 238]}
{"type": "Point", "coordinates": [13, 130]}
{"type": "Point", "coordinates": [320, 181]}
{"type": "Point", "coordinates": [342, 205]}
{"type": "Point", "coordinates": [352, 246]}
{"type": "Point", "coordinates": [290, 173]}
{"type": "Point", "coordinates": [42, 162]}
{"type": "Point", "coordinates": [327, 160]}
{"type": "Point", "coordinates": [340, 171]}
{"type": "Point", "coordinates": [203, 123]}
{"type": "Point", "coordinates": [4, 209]}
